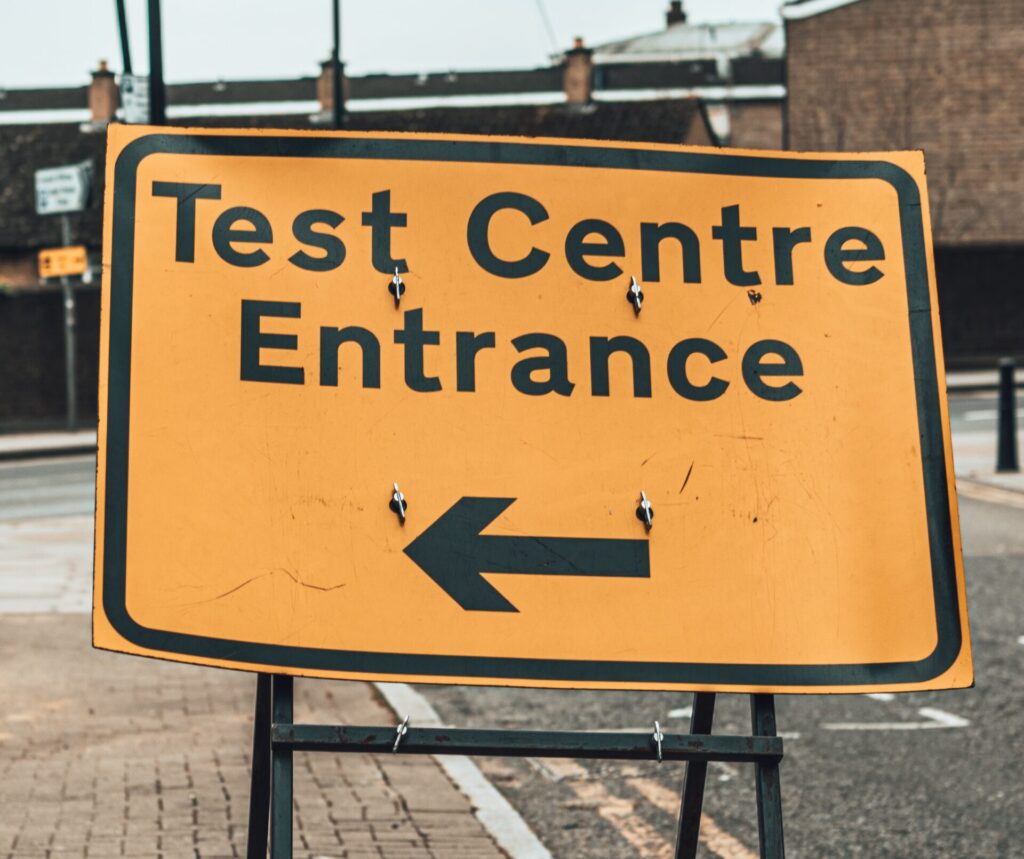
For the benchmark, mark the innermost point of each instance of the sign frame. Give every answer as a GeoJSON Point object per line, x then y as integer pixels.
{"type": "Point", "coordinates": [807, 678]}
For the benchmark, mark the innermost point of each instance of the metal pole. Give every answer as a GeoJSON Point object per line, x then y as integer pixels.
{"type": "Point", "coordinates": [1006, 459]}
{"type": "Point", "coordinates": [157, 96]}
{"type": "Point", "coordinates": [338, 100]}
{"type": "Point", "coordinates": [122, 26]}
{"type": "Point", "coordinates": [68, 294]}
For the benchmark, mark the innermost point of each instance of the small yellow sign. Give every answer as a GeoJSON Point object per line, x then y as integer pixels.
{"type": "Point", "coordinates": [63, 262]}
{"type": "Point", "coordinates": [525, 412]}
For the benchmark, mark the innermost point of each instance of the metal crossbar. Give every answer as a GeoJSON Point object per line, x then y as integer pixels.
{"type": "Point", "coordinates": [543, 744]}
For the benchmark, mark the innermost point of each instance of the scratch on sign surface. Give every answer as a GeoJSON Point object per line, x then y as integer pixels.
{"type": "Point", "coordinates": [687, 478]}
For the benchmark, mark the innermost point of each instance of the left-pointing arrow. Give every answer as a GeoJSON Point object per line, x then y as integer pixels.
{"type": "Point", "coordinates": [454, 553]}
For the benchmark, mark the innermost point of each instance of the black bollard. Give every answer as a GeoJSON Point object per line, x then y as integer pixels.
{"type": "Point", "coordinates": [1006, 459]}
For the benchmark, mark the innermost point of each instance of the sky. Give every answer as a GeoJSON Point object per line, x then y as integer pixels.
{"type": "Point", "coordinates": [56, 42]}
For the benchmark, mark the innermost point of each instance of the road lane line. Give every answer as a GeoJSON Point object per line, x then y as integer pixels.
{"type": "Point", "coordinates": [496, 813]}
{"type": "Point", "coordinates": [619, 812]}
{"type": "Point", "coordinates": [881, 696]}
{"type": "Point", "coordinates": [936, 719]}
{"type": "Point", "coordinates": [713, 837]}
{"type": "Point", "coordinates": [947, 720]}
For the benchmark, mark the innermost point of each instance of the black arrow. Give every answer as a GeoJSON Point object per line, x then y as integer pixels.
{"type": "Point", "coordinates": [454, 553]}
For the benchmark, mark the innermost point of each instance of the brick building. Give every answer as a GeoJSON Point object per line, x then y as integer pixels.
{"type": "Point", "coordinates": [69, 127]}
{"type": "Point", "coordinates": [945, 76]}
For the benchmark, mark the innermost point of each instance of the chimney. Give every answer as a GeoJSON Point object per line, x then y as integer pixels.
{"type": "Point", "coordinates": [578, 74]}
{"type": "Point", "coordinates": [325, 89]}
{"type": "Point", "coordinates": [675, 13]}
{"type": "Point", "coordinates": [103, 96]}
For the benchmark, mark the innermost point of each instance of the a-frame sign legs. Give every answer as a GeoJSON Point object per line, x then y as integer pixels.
{"type": "Point", "coordinates": [281, 771]}
{"type": "Point", "coordinates": [766, 775]}
{"type": "Point", "coordinates": [259, 788]}
{"type": "Point", "coordinates": [276, 737]}
{"type": "Point", "coordinates": [270, 794]}
{"type": "Point", "coordinates": [688, 828]}
{"type": "Point", "coordinates": [766, 781]}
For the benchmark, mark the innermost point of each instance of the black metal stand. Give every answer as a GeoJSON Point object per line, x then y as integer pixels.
{"type": "Point", "coordinates": [276, 737]}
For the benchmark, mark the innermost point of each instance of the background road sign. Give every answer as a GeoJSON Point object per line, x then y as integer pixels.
{"type": "Point", "coordinates": [777, 398]}
{"type": "Point", "coordinates": [135, 98]}
{"type": "Point", "coordinates": [60, 190]}
{"type": "Point", "coordinates": [59, 262]}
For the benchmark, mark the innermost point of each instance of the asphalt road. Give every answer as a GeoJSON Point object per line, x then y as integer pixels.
{"type": "Point", "coordinates": [914, 775]}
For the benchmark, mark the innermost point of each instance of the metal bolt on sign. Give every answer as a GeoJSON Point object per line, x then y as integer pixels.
{"type": "Point", "coordinates": [398, 504]}
{"type": "Point", "coordinates": [400, 732]}
{"type": "Point", "coordinates": [397, 287]}
{"type": "Point", "coordinates": [645, 512]}
{"type": "Point", "coordinates": [635, 296]}
{"type": "Point", "coordinates": [657, 737]}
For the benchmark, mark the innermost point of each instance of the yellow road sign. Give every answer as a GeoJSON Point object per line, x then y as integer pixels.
{"type": "Point", "coordinates": [61, 262]}
{"type": "Point", "coordinates": [529, 412]}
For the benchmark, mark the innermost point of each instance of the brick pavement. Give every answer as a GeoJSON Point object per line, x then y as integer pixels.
{"type": "Point", "coordinates": [104, 755]}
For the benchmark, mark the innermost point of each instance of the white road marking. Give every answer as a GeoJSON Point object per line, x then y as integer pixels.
{"type": "Point", "coordinates": [1020, 640]}
{"type": "Point", "coordinates": [540, 765]}
{"type": "Point", "coordinates": [495, 812]}
{"type": "Point", "coordinates": [881, 696]}
{"type": "Point", "coordinates": [681, 713]}
{"type": "Point", "coordinates": [935, 719]}
{"type": "Point", "coordinates": [726, 772]}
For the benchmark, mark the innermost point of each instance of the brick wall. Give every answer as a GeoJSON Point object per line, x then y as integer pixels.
{"type": "Point", "coordinates": [945, 76]}
{"type": "Point", "coordinates": [756, 124]}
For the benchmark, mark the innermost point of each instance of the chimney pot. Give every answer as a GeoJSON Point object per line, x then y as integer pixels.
{"type": "Point", "coordinates": [578, 74]}
{"type": "Point", "coordinates": [325, 88]}
{"type": "Point", "coordinates": [675, 14]}
{"type": "Point", "coordinates": [103, 95]}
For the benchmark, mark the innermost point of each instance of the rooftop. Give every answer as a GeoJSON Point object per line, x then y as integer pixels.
{"type": "Point", "coordinates": [682, 41]}
{"type": "Point", "coordinates": [27, 148]}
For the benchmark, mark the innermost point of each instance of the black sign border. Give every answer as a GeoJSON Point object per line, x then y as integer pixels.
{"type": "Point", "coordinates": [498, 669]}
